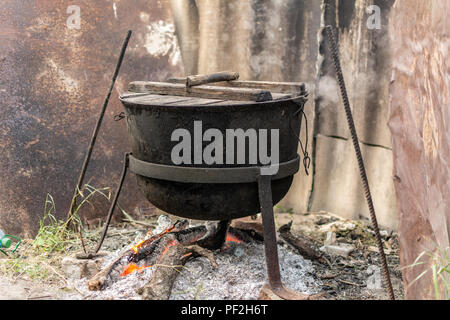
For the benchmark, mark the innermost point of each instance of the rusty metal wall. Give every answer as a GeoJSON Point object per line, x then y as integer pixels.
{"type": "Point", "coordinates": [52, 84]}
{"type": "Point", "coordinates": [419, 121]}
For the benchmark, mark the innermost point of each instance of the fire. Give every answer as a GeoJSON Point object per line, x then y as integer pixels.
{"type": "Point", "coordinates": [232, 238]}
{"type": "Point", "coordinates": [132, 268]}
{"type": "Point", "coordinates": [136, 247]}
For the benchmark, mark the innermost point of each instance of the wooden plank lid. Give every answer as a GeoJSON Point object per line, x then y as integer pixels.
{"type": "Point", "coordinates": [219, 88]}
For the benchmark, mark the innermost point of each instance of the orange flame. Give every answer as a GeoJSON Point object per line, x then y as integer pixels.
{"type": "Point", "coordinates": [231, 238]}
{"type": "Point", "coordinates": [136, 247]}
{"type": "Point", "coordinates": [132, 268]}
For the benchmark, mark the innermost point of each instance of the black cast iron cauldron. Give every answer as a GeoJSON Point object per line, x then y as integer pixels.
{"type": "Point", "coordinates": [154, 110]}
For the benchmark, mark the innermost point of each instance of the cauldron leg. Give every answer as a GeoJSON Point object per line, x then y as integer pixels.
{"type": "Point", "coordinates": [270, 242]}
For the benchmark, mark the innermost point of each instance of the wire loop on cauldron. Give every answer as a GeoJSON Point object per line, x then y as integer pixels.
{"type": "Point", "coordinates": [120, 116]}
{"type": "Point", "coordinates": [306, 157]}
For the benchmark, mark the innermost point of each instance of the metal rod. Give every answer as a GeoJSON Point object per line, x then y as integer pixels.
{"type": "Point", "coordinates": [113, 204]}
{"type": "Point", "coordinates": [362, 170]}
{"type": "Point", "coordinates": [97, 126]}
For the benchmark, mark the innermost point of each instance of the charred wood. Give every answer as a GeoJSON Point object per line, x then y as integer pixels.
{"type": "Point", "coordinates": [168, 268]}
{"type": "Point", "coordinates": [302, 244]}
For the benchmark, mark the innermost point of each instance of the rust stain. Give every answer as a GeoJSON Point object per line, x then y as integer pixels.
{"type": "Point", "coordinates": [53, 83]}
{"type": "Point", "coordinates": [419, 117]}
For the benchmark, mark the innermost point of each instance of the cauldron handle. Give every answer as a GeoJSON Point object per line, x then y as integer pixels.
{"type": "Point", "coordinates": [200, 79]}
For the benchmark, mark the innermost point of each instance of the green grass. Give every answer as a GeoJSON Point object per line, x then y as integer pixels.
{"type": "Point", "coordinates": [55, 235]}
{"type": "Point", "coordinates": [20, 266]}
{"type": "Point", "coordinates": [55, 239]}
{"type": "Point", "coordinates": [439, 267]}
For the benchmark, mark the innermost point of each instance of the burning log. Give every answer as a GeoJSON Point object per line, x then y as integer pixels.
{"type": "Point", "coordinates": [166, 253]}
{"type": "Point", "coordinates": [124, 262]}
{"type": "Point", "coordinates": [253, 228]}
{"type": "Point", "coordinates": [160, 285]}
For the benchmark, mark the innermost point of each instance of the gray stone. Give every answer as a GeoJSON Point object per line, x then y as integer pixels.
{"type": "Point", "coordinates": [331, 238]}
{"type": "Point", "coordinates": [342, 249]}
{"type": "Point", "coordinates": [76, 269]}
{"type": "Point", "coordinates": [72, 268]}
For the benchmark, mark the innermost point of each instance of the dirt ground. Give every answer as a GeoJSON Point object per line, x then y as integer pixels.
{"type": "Point", "coordinates": [356, 277]}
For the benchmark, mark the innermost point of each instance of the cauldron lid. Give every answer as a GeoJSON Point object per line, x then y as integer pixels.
{"type": "Point", "coordinates": [175, 93]}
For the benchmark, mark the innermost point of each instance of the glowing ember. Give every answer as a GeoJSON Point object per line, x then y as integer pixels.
{"type": "Point", "coordinates": [231, 238]}
{"type": "Point", "coordinates": [169, 229]}
{"type": "Point", "coordinates": [132, 268]}
{"type": "Point", "coordinates": [171, 244]}
{"type": "Point", "coordinates": [149, 232]}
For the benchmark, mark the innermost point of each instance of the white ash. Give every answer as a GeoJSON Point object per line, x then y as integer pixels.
{"type": "Point", "coordinates": [124, 289]}
{"type": "Point", "coordinates": [164, 222]}
{"type": "Point", "coordinates": [240, 276]}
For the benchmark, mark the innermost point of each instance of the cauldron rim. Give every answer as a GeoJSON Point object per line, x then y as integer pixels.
{"type": "Point", "coordinates": [221, 107]}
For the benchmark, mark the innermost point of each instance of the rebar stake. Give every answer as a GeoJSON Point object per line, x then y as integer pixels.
{"type": "Point", "coordinates": [362, 170]}
{"type": "Point", "coordinates": [97, 127]}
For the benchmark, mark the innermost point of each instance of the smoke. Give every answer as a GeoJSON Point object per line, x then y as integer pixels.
{"type": "Point", "coordinates": [161, 41]}
{"type": "Point", "coordinates": [327, 90]}
{"type": "Point", "coordinates": [359, 87]}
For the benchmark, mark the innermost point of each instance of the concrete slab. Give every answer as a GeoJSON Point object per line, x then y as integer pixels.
{"type": "Point", "coordinates": [338, 185]}
{"type": "Point", "coordinates": [21, 289]}
{"type": "Point", "coordinates": [11, 292]}
{"type": "Point", "coordinates": [366, 65]}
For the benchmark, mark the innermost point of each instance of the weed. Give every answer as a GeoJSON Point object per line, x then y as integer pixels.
{"type": "Point", "coordinates": [20, 266]}
{"type": "Point", "coordinates": [439, 268]}
{"type": "Point", "coordinates": [54, 239]}
{"type": "Point", "coordinates": [54, 235]}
